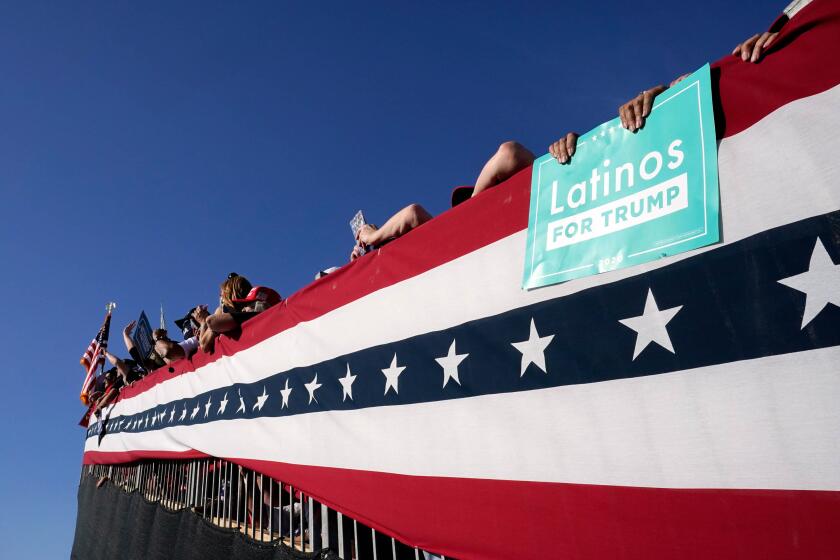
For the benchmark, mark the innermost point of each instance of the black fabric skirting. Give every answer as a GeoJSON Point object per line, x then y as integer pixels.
{"type": "Point", "coordinates": [114, 524]}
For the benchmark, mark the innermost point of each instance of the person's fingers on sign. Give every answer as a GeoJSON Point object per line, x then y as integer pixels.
{"type": "Point", "coordinates": [563, 149]}
{"type": "Point", "coordinates": [634, 112]}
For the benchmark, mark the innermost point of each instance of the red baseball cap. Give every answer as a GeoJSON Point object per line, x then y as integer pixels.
{"type": "Point", "coordinates": [261, 293]}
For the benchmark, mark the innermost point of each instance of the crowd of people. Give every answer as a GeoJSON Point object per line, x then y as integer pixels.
{"type": "Point", "coordinates": [239, 301]}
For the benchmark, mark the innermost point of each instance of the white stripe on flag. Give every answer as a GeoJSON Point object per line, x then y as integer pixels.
{"type": "Point", "coordinates": [760, 423]}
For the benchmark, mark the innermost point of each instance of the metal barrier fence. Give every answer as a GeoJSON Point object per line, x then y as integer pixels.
{"type": "Point", "coordinates": [262, 508]}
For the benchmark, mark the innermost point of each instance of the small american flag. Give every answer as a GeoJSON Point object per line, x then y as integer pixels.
{"type": "Point", "coordinates": [94, 356]}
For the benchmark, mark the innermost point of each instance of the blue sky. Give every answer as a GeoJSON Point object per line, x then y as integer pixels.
{"type": "Point", "coordinates": [148, 149]}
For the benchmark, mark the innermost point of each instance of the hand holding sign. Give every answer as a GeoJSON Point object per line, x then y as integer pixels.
{"type": "Point", "coordinates": [564, 149]}
{"type": "Point", "coordinates": [361, 232]}
{"type": "Point", "coordinates": [634, 112]}
{"type": "Point", "coordinates": [627, 198]}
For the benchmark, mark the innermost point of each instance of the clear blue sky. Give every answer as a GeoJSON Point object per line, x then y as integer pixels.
{"type": "Point", "coordinates": [147, 150]}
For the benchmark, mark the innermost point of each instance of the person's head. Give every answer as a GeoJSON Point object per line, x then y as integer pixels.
{"type": "Point", "coordinates": [234, 287]}
{"type": "Point", "coordinates": [259, 299]}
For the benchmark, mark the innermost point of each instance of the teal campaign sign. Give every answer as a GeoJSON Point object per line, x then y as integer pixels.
{"type": "Point", "coordinates": [628, 198]}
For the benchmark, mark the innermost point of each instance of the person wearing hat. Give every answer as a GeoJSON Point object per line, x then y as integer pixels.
{"type": "Point", "coordinates": [509, 159]}
{"type": "Point", "coordinates": [227, 319]}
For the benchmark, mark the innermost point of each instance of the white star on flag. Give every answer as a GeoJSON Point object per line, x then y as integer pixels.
{"type": "Point", "coordinates": [222, 405]}
{"type": "Point", "coordinates": [241, 403]}
{"type": "Point", "coordinates": [347, 385]}
{"type": "Point", "coordinates": [154, 419]}
{"type": "Point", "coordinates": [207, 406]}
{"type": "Point", "coordinates": [195, 410]}
{"type": "Point", "coordinates": [650, 326]}
{"type": "Point", "coordinates": [392, 376]}
{"type": "Point", "coordinates": [146, 425]}
{"type": "Point", "coordinates": [285, 393]}
{"type": "Point", "coordinates": [260, 400]}
{"type": "Point", "coordinates": [820, 283]}
{"type": "Point", "coordinates": [450, 363]}
{"type": "Point", "coordinates": [172, 415]}
{"type": "Point", "coordinates": [533, 349]}
{"type": "Point", "coordinates": [183, 413]}
{"type": "Point", "coordinates": [312, 386]}
{"type": "Point", "coordinates": [162, 415]}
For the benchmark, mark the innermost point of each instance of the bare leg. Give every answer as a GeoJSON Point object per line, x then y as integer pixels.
{"type": "Point", "coordinates": [399, 224]}
{"type": "Point", "coordinates": [508, 159]}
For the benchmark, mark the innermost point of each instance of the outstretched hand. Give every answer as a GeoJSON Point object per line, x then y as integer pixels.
{"type": "Point", "coordinates": [752, 49]}
{"type": "Point", "coordinates": [563, 149]}
{"type": "Point", "coordinates": [129, 328]}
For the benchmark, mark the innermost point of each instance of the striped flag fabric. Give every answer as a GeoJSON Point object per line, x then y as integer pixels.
{"type": "Point", "coordinates": [684, 408]}
{"type": "Point", "coordinates": [94, 357]}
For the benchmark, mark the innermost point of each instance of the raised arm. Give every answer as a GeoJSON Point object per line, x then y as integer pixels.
{"type": "Point", "coordinates": [129, 343]}
{"type": "Point", "coordinates": [122, 367]}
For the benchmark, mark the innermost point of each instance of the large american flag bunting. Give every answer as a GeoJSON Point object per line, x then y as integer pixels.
{"type": "Point", "coordinates": [686, 408]}
{"type": "Point", "coordinates": [94, 357]}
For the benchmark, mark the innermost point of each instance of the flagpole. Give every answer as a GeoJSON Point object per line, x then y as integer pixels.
{"type": "Point", "coordinates": [110, 306]}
